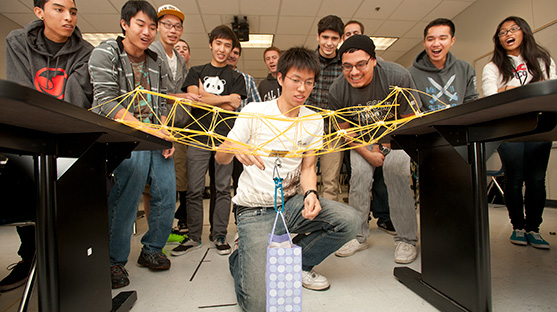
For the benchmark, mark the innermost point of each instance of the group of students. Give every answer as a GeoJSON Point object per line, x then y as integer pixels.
{"type": "Point", "coordinates": [329, 77]}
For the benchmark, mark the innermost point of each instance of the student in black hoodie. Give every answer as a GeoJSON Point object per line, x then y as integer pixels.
{"type": "Point", "coordinates": [48, 55]}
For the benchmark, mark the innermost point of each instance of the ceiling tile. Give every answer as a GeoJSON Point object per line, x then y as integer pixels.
{"type": "Point", "coordinates": [84, 25]}
{"type": "Point", "coordinates": [368, 9]}
{"type": "Point", "coordinates": [417, 31]}
{"type": "Point", "coordinates": [98, 6]}
{"type": "Point", "coordinates": [403, 45]}
{"type": "Point", "coordinates": [253, 54]}
{"type": "Point", "coordinates": [255, 7]}
{"type": "Point", "coordinates": [104, 22]}
{"type": "Point", "coordinates": [288, 25]}
{"type": "Point", "coordinates": [339, 8]}
{"type": "Point", "coordinates": [16, 7]}
{"type": "Point", "coordinates": [447, 9]}
{"type": "Point", "coordinates": [414, 10]}
{"type": "Point", "coordinates": [219, 6]}
{"type": "Point", "coordinates": [391, 56]}
{"type": "Point", "coordinates": [211, 21]}
{"type": "Point", "coordinates": [21, 18]}
{"type": "Point", "coordinates": [286, 42]}
{"type": "Point", "coordinates": [193, 24]}
{"type": "Point", "coordinates": [268, 24]}
{"type": "Point", "coordinates": [197, 41]}
{"type": "Point", "coordinates": [393, 28]}
{"type": "Point", "coordinates": [370, 26]}
{"type": "Point", "coordinates": [299, 8]}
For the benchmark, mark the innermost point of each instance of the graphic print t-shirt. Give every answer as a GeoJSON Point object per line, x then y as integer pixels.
{"type": "Point", "coordinates": [142, 109]}
{"type": "Point", "coordinates": [219, 81]}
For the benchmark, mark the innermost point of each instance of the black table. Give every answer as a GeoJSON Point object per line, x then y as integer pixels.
{"type": "Point", "coordinates": [73, 151]}
{"type": "Point", "coordinates": [451, 148]}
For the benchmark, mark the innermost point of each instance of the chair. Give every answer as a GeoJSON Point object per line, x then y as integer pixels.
{"type": "Point", "coordinates": [494, 174]}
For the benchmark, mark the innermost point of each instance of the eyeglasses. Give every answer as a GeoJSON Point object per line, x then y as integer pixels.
{"type": "Point", "coordinates": [512, 30]}
{"type": "Point", "coordinates": [359, 66]}
{"type": "Point", "coordinates": [178, 27]}
{"type": "Point", "coordinates": [308, 83]}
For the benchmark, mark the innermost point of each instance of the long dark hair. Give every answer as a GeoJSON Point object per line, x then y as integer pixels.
{"type": "Point", "coordinates": [529, 49]}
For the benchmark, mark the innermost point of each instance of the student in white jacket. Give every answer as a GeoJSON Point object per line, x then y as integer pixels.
{"type": "Point", "coordinates": [519, 60]}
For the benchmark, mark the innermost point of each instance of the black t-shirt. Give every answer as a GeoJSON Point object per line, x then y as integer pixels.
{"type": "Point", "coordinates": [51, 46]}
{"type": "Point", "coordinates": [269, 89]}
{"type": "Point", "coordinates": [219, 81]}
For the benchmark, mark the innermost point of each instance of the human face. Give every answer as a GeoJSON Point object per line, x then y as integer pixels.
{"type": "Point", "coordinates": [183, 49]}
{"type": "Point", "coordinates": [170, 36]}
{"type": "Point", "coordinates": [437, 44]}
{"type": "Point", "coordinates": [271, 60]}
{"type": "Point", "coordinates": [296, 87]}
{"type": "Point", "coordinates": [140, 33]}
{"type": "Point", "coordinates": [233, 58]}
{"type": "Point", "coordinates": [60, 18]}
{"type": "Point", "coordinates": [511, 41]}
{"type": "Point", "coordinates": [358, 78]}
{"type": "Point", "coordinates": [351, 29]}
{"type": "Point", "coordinates": [328, 43]}
{"type": "Point", "coordinates": [220, 48]}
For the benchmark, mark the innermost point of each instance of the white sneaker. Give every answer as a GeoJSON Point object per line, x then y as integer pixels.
{"type": "Point", "coordinates": [350, 248]}
{"type": "Point", "coordinates": [405, 253]}
{"type": "Point", "coordinates": [314, 281]}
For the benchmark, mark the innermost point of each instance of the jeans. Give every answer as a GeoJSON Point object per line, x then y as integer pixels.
{"type": "Point", "coordinates": [197, 162]}
{"type": "Point", "coordinates": [335, 225]}
{"type": "Point", "coordinates": [396, 171]}
{"type": "Point", "coordinates": [525, 163]}
{"type": "Point", "coordinates": [380, 201]}
{"type": "Point", "coordinates": [130, 177]}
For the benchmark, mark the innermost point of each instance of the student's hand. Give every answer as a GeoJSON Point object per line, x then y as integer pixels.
{"type": "Point", "coordinates": [235, 101]}
{"type": "Point", "coordinates": [375, 157]}
{"type": "Point", "coordinates": [167, 153]}
{"type": "Point", "coordinates": [312, 207]}
{"type": "Point", "coordinates": [191, 96]}
{"type": "Point", "coordinates": [250, 160]}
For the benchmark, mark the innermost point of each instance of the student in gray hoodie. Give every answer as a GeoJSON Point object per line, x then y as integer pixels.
{"type": "Point", "coordinates": [50, 56]}
{"type": "Point", "coordinates": [438, 73]}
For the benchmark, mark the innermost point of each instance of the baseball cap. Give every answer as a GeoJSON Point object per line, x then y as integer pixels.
{"type": "Point", "coordinates": [360, 42]}
{"type": "Point", "coordinates": [170, 9]}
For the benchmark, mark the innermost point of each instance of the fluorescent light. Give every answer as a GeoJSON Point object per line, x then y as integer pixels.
{"type": "Point", "coordinates": [258, 41]}
{"type": "Point", "coordinates": [383, 43]}
{"type": "Point", "coordinates": [96, 38]}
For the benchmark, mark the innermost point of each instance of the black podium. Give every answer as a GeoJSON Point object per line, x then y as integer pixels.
{"type": "Point", "coordinates": [451, 148]}
{"type": "Point", "coordinates": [73, 151]}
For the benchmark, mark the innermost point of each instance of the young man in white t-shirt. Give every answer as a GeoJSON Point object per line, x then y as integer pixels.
{"type": "Point", "coordinates": [330, 223]}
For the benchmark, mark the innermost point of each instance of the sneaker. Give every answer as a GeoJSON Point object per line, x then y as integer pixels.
{"type": "Point", "coordinates": [518, 237]}
{"type": "Point", "coordinates": [405, 253]}
{"type": "Point", "coordinates": [185, 247]}
{"type": "Point", "coordinates": [536, 240]}
{"type": "Point", "coordinates": [156, 261]}
{"type": "Point", "coordinates": [175, 239]}
{"type": "Point", "coordinates": [350, 248]}
{"type": "Point", "coordinates": [222, 246]}
{"type": "Point", "coordinates": [119, 276]}
{"type": "Point", "coordinates": [314, 281]}
{"type": "Point", "coordinates": [387, 227]}
{"type": "Point", "coordinates": [182, 227]}
{"type": "Point", "coordinates": [18, 276]}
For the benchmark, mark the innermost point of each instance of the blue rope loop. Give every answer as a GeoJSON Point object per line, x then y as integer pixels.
{"type": "Point", "coordinates": [278, 184]}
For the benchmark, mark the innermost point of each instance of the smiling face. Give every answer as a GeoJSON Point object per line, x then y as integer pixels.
{"type": "Point", "coordinates": [233, 58]}
{"type": "Point", "coordinates": [140, 33]}
{"type": "Point", "coordinates": [352, 29]}
{"type": "Point", "coordinates": [511, 41]}
{"type": "Point", "coordinates": [328, 43]}
{"type": "Point", "coordinates": [183, 49]}
{"type": "Point", "coordinates": [271, 60]}
{"type": "Point", "coordinates": [220, 47]}
{"type": "Point", "coordinates": [170, 36]}
{"type": "Point", "coordinates": [358, 78]}
{"type": "Point", "coordinates": [60, 18]}
{"type": "Point", "coordinates": [437, 44]}
{"type": "Point", "coordinates": [296, 87]}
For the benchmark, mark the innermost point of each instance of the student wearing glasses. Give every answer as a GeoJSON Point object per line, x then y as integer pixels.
{"type": "Point", "coordinates": [366, 81]}
{"type": "Point", "coordinates": [518, 60]}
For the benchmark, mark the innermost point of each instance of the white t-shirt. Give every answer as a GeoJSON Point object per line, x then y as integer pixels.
{"type": "Point", "coordinates": [492, 80]}
{"type": "Point", "coordinates": [173, 64]}
{"type": "Point", "coordinates": [259, 125]}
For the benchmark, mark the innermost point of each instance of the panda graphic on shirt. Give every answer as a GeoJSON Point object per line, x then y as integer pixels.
{"type": "Point", "coordinates": [214, 85]}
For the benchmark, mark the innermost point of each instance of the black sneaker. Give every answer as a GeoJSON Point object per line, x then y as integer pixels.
{"type": "Point", "coordinates": [185, 247]}
{"type": "Point", "coordinates": [119, 276]}
{"type": "Point", "coordinates": [17, 277]}
{"type": "Point", "coordinates": [223, 248]}
{"type": "Point", "coordinates": [156, 261]}
{"type": "Point", "coordinates": [387, 227]}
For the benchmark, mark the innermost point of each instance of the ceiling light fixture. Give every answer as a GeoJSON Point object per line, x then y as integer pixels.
{"type": "Point", "coordinates": [258, 41]}
{"type": "Point", "coordinates": [96, 38]}
{"type": "Point", "coordinates": [383, 43]}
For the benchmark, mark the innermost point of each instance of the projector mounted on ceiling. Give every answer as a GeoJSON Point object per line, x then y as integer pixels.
{"type": "Point", "coordinates": [241, 28]}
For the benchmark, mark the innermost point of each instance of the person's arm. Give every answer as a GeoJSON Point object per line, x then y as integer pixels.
{"type": "Point", "coordinates": [229, 149]}
{"type": "Point", "coordinates": [308, 181]}
{"type": "Point", "coordinates": [79, 90]}
{"type": "Point", "coordinates": [490, 78]}
{"type": "Point", "coordinates": [229, 102]}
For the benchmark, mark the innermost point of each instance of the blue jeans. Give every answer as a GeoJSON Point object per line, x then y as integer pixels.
{"type": "Point", "coordinates": [525, 163]}
{"type": "Point", "coordinates": [130, 178]}
{"type": "Point", "coordinates": [335, 225]}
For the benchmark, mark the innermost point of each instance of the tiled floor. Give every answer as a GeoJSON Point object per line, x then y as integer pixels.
{"type": "Point", "coordinates": [523, 278]}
